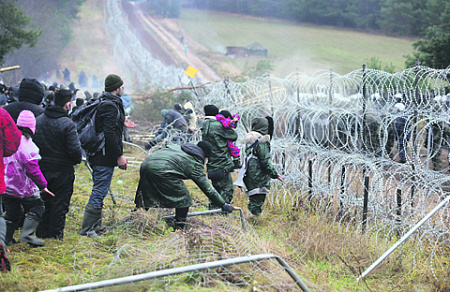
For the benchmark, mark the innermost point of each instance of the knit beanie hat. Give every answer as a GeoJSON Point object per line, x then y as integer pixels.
{"type": "Point", "coordinates": [31, 91]}
{"type": "Point", "coordinates": [206, 147]}
{"type": "Point", "coordinates": [26, 119]}
{"type": "Point", "coordinates": [112, 82]}
{"type": "Point", "coordinates": [210, 110]}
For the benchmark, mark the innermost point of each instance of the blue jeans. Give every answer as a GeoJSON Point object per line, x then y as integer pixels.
{"type": "Point", "coordinates": [102, 176]}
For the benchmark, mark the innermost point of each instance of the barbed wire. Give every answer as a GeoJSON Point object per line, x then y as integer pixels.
{"type": "Point", "coordinates": [334, 138]}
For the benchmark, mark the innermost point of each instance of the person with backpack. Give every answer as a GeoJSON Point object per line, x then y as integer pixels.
{"type": "Point", "coordinates": [109, 120]}
{"type": "Point", "coordinates": [259, 168]}
{"type": "Point", "coordinates": [60, 149]}
{"type": "Point", "coordinates": [24, 182]}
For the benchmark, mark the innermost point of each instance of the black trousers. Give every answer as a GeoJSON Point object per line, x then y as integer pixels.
{"type": "Point", "coordinates": [15, 208]}
{"type": "Point", "coordinates": [54, 218]}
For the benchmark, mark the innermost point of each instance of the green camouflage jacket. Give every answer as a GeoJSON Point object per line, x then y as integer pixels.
{"type": "Point", "coordinates": [162, 174]}
{"type": "Point", "coordinates": [217, 135]}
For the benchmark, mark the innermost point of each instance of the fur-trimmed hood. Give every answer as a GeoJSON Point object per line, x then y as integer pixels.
{"type": "Point", "coordinates": [251, 138]}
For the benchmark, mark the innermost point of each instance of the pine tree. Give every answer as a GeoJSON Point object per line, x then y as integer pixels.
{"type": "Point", "coordinates": [14, 31]}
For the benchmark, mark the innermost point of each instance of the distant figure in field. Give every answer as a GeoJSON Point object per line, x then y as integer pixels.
{"type": "Point", "coordinates": [66, 74]}
{"type": "Point", "coordinates": [82, 79]}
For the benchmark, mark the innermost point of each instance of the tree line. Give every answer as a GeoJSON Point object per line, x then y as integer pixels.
{"type": "Point", "coordinates": [396, 17]}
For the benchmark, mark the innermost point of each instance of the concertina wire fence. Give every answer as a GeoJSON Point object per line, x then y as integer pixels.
{"type": "Point", "coordinates": [331, 133]}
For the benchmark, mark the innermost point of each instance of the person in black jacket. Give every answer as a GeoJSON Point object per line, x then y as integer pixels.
{"type": "Point", "coordinates": [31, 94]}
{"type": "Point", "coordinates": [110, 120]}
{"type": "Point", "coordinates": [60, 148]}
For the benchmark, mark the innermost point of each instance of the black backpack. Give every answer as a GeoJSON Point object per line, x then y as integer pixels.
{"type": "Point", "coordinates": [84, 119]}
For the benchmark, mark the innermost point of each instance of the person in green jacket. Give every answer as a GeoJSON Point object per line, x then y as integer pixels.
{"type": "Point", "coordinates": [220, 164]}
{"type": "Point", "coordinates": [259, 170]}
{"type": "Point", "coordinates": [161, 179]}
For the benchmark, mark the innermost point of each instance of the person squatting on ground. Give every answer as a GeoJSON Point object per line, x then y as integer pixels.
{"type": "Point", "coordinates": [60, 149]}
{"type": "Point", "coordinates": [161, 180]}
{"type": "Point", "coordinates": [10, 138]}
{"type": "Point", "coordinates": [259, 169]}
{"type": "Point", "coordinates": [230, 121]}
{"type": "Point", "coordinates": [24, 181]}
{"type": "Point", "coordinates": [110, 120]}
{"type": "Point", "coordinates": [174, 119]}
{"type": "Point", "coordinates": [220, 161]}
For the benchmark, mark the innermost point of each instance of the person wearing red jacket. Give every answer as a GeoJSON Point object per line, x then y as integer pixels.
{"type": "Point", "coordinates": [10, 137]}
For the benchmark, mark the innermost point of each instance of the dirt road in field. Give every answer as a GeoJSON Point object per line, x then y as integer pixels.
{"type": "Point", "coordinates": [164, 45]}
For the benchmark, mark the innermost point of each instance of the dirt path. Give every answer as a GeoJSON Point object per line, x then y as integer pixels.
{"type": "Point", "coordinates": [164, 43]}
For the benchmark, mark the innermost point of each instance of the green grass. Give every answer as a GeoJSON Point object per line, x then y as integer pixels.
{"type": "Point", "coordinates": [326, 255]}
{"type": "Point", "coordinates": [295, 47]}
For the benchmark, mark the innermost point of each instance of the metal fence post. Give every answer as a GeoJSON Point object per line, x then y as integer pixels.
{"type": "Point", "coordinates": [366, 203]}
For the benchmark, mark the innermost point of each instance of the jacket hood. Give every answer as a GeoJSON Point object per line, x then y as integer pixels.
{"type": "Point", "coordinates": [55, 112]}
{"type": "Point", "coordinates": [260, 125]}
{"type": "Point", "coordinates": [164, 112]}
{"type": "Point", "coordinates": [30, 90]}
{"type": "Point", "coordinates": [251, 138]}
{"type": "Point", "coordinates": [193, 149]}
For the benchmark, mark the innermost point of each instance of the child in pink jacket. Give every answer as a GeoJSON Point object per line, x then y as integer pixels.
{"type": "Point", "coordinates": [230, 121]}
{"type": "Point", "coordinates": [24, 181]}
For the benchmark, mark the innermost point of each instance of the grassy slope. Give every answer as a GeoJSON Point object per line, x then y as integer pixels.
{"type": "Point", "coordinates": [295, 47]}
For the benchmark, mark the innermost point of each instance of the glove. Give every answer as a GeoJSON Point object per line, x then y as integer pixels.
{"type": "Point", "coordinates": [227, 208]}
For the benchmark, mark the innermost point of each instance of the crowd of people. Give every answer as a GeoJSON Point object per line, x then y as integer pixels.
{"type": "Point", "coordinates": [40, 147]}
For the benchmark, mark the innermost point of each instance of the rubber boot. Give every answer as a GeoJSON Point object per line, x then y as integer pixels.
{"type": "Point", "coordinates": [9, 236]}
{"type": "Point", "coordinates": [29, 227]}
{"type": "Point", "coordinates": [92, 217]}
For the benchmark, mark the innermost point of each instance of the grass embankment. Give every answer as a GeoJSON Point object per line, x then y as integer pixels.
{"type": "Point", "coordinates": [327, 255]}
{"type": "Point", "coordinates": [293, 47]}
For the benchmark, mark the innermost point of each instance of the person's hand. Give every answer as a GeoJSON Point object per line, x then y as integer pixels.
{"type": "Point", "coordinates": [122, 162]}
{"type": "Point", "coordinates": [280, 178]}
{"type": "Point", "coordinates": [48, 192]}
{"type": "Point", "coordinates": [128, 123]}
{"type": "Point", "coordinates": [227, 208]}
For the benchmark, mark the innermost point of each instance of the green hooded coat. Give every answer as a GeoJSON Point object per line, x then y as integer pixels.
{"type": "Point", "coordinates": [162, 174]}
{"type": "Point", "coordinates": [260, 169]}
{"type": "Point", "coordinates": [217, 135]}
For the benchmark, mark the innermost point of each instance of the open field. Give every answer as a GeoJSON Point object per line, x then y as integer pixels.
{"type": "Point", "coordinates": [293, 47]}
